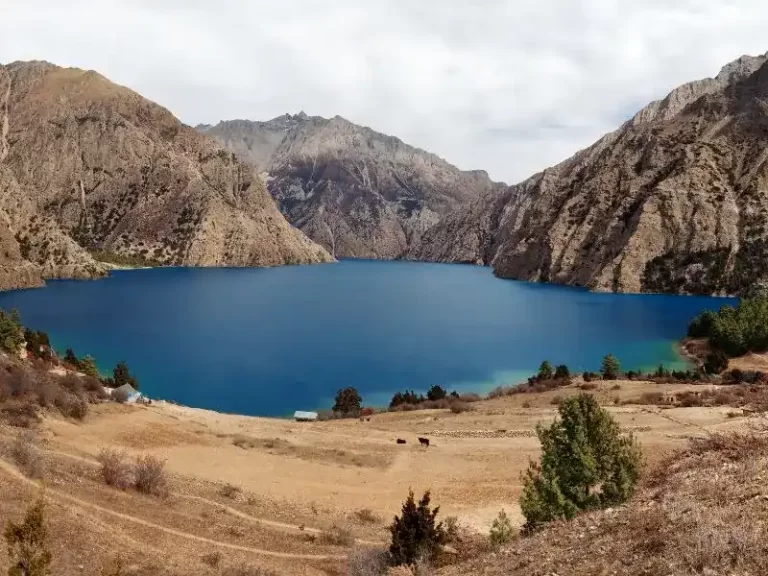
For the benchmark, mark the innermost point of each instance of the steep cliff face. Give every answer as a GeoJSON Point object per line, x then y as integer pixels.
{"type": "Point", "coordinates": [673, 201]}
{"type": "Point", "coordinates": [89, 165]}
{"type": "Point", "coordinates": [355, 191]}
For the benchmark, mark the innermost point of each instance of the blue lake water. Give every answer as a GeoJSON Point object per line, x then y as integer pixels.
{"type": "Point", "coordinates": [271, 341]}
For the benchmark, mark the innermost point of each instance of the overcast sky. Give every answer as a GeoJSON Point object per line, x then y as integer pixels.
{"type": "Point", "coordinates": [509, 86]}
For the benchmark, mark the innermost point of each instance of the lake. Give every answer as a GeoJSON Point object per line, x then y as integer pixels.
{"type": "Point", "coordinates": [271, 341]}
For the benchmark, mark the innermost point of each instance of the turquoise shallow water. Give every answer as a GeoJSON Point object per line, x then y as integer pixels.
{"type": "Point", "coordinates": [271, 341]}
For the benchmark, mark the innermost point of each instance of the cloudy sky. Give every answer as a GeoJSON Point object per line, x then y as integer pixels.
{"type": "Point", "coordinates": [509, 86]}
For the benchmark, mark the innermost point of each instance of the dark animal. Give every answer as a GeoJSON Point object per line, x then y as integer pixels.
{"type": "Point", "coordinates": [424, 442]}
{"type": "Point", "coordinates": [400, 441]}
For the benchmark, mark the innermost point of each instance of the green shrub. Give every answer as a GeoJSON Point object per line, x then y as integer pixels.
{"type": "Point", "coordinates": [545, 371]}
{"type": "Point", "coordinates": [611, 368]}
{"type": "Point", "coordinates": [416, 535]}
{"type": "Point", "coordinates": [585, 463]}
{"type": "Point", "coordinates": [501, 529]}
{"type": "Point", "coordinates": [11, 335]}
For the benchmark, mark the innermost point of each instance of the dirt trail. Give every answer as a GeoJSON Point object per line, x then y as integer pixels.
{"type": "Point", "coordinates": [228, 509]}
{"type": "Point", "coordinates": [12, 471]}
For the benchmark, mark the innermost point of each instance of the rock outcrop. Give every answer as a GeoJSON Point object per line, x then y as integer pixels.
{"type": "Point", "coordinates": [673, 201]}
{"type": "Point", "coordinates": [357, 192]}
{"type": "Point", "coordinates": [86, 165]}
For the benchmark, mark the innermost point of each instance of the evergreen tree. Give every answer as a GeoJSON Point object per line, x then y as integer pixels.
{"type": "Point", "coordinates": [27, 544]}
{"type": "Point", "coordinates": [122, 375]}
{"type": "Point", "coordinates": [11, 334]}
{"type": "Point", "coordinates": [545, 371]}
{"type": "Point", "coordinates": [416, 535]}
{"type": "Point", "coordinates": [71, 359]}
{"type": "Point", "coordinates": [348, 402]}
{"type": "Point", "coordinates": [611, 367]}
{"type": "Point", "coordinates": [88, 366]}
{"type": "Point", "coordinates": [501, 529]}
{"type": "Point", "coordinates": [585, 463]}
{"type": "Point", "coordinates": [562, 372]}
{"type": "Point", "coordinates": [436, 393]}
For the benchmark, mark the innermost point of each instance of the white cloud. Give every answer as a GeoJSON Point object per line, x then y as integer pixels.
{"type": "Point", "coordinates": [508, 86]}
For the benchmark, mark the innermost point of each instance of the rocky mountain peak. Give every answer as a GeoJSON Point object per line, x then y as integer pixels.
{"type": "Point", "coordinates": [87, 165]}
{"type": "Point", "coordinates": [672, 201]}
{"type": "Point", "coordinates": [355, 191]}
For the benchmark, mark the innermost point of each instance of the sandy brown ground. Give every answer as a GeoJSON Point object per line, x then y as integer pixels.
{"type": "Point", "coordinates": [298, 479]}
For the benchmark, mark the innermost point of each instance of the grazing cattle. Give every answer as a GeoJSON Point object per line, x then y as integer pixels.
{"type": "Point", "coordinates": [424, 442]}
{"type": "Point", "coordinates": [400, 441]}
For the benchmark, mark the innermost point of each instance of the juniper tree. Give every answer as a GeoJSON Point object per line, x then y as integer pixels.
{"type": "Point", "coordinates": [586, 463]}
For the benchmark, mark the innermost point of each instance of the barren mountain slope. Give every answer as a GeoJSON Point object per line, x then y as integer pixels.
{"type": "Point", "coordinates": [89, 164]}
{"type": "Point", "coordinates": [355, 191]}
{"type": "Point", "coordinates": [673, 201]}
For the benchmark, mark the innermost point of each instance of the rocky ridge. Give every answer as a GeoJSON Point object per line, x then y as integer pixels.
{"type": "Point", "coordinates": [88, 165]}
{"type": "Point", "coordinates": [672, 201]}
{"type": "Point", "coordinates": [355, 191]}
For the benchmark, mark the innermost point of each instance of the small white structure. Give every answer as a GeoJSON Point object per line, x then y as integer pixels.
{"type": "Point", "coordinates": [131, 395]}
{"type": "Point", "coordinates": [300, 416]}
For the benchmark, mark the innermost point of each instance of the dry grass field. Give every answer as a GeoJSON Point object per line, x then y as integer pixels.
{"type": "Point", "coordinates": [255, 495]}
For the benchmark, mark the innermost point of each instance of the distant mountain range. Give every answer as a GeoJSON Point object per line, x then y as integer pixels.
{"type": "Point", "coordinates": [675, 200]}
{"type": "Point", "coordinates": [355, 191]}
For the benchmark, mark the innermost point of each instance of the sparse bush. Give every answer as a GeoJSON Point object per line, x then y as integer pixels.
{"type": "Point", "coordinates": [457, 407]}
{"type": "Point", "coordinates": [212, 559]}
{"type": "Point", "coordinates": [589, 386]}
{"type": "Point", "coordinates": [115, 471]}
{"type": "Point", "coordinates": [150, 476]}
{"type": "Point", "coordinates": [28, 544]}
{"type": "Point", "coordinates": [72, 383]}
{"type": "Point", "coordinates": [367, 516]}
{"type": "Point", "coordinates": [72, 406]}
{"type": "Point", "coordinates": [586, 463]}
{"type": "Point", "coordinates": [556, 401]}
{"type": "Point", "coordinates": [501, 529]}
{"type": "Point", "coordinates": [452, 529]}
{"type": "Point", "coordinates": [526, 404]}
{"type": "Point", "coordinates": [416, 535]}
{"type": "Point", "coordinates": [20, 415]}
{"type": "Point", "coordinates": [337, 536]}
{"type": "Point", "coordinates": [616, 387]}
{"type": "Point", "coordinates": [611, 368]}
{"type": "Point", "coordinates": [27, 455]}
{"type": "Point", "coordinates": [230, 491]}
{"type": "Point", "coordinates": [120, 396]}
{"type": "Point", "coordinates": [247, 570]}
{"type": "Point", "coordinates": [367, 562]}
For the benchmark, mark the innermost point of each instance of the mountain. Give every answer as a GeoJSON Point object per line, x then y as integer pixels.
{"type": "Point", "coordinates": [357, 192]}
{"type": "Point", "coordinates": [88, 165]}
{"type": "Point", "coordinates": [673, 201]}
